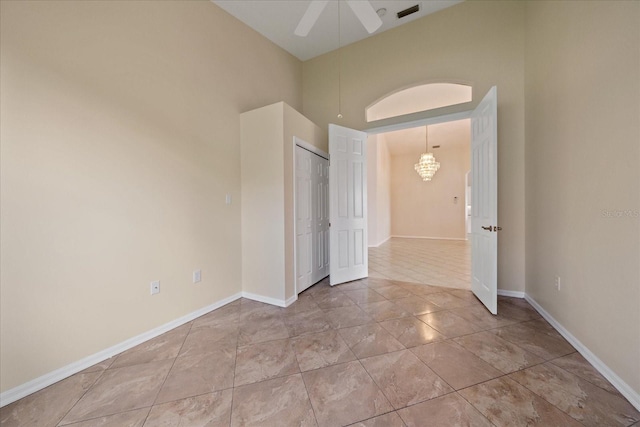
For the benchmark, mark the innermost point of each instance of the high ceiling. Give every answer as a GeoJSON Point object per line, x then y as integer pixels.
{"type": "Point", "coordinates": [277, 20]}
{"type": "Point", "coordinates": [411, 141]}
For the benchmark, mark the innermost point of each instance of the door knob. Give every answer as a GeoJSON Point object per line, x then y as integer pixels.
{"type": "Point", "coordinates": [496, 228]}
{"type": "Point", "coordinates": [489, 228]}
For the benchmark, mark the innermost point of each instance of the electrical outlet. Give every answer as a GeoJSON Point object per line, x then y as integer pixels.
{"type": "Point", "coordinates": [155, 287]}
{"type": "Point", "coordinates": [557, 283]}
{"type": "Point", "coordinates": [197, 276]}
{"type": "Point", "coordinates": [227, 199]}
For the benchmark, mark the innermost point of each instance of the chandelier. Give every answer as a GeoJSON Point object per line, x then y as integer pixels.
{"type": "Point", "coordinates": [427, 166]}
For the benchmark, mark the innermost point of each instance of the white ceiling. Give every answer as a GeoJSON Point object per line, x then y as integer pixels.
{"type": "Point", "coordinates": [277, 20]}
{"type": "Point", "coordinates": [411, 141]}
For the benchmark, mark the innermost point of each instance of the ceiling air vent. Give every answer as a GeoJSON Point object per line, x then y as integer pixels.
{"type": "Point", "coordinates": [408, 11]}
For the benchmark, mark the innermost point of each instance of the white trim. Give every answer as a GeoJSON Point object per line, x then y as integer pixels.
{"type": "Point", "coordinates": [291, 300]}
{"type": "Point", "coordinates": [381, 243]}
{"type": "Point", "coordinates": [315, 150]}
{"type": "Point", "coordinates": [52, 377]}
{"type": "Point", "coordinates": [295, 230]}
{"type": "Point", "coordinates": [427, 237]}
{"type": "Point", "coordinates": [625, 389]}
{"type": "Point", "coordinates": [266, 300]}
{"type": "Point", "coordinates": [512, 294]}
{"type": "Point", "coordinates": [396, 123]}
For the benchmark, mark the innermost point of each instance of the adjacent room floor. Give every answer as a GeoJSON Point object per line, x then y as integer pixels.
{"type": "Point", "coordinates": [434, 262]}
{"type": "Point", "coordinates": [375, 352]}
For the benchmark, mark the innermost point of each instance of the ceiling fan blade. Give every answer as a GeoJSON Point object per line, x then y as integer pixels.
{"type": "Point", "coordinates": [366, 14]}
{"type": "Point", "coordinates": [310, 17]}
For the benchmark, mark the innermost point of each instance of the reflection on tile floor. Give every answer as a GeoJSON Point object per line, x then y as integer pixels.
{"type": "Point", "coordinates": [444, 263]}
{"type": "Point", "coordinates": [375, 352]}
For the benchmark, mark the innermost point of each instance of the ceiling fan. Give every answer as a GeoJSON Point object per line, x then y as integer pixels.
{"type": "Point", "coordinates": [363, 10]}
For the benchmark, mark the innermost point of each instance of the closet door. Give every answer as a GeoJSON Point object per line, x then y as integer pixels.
{"type": "Point", "coordinates": [304, 219]}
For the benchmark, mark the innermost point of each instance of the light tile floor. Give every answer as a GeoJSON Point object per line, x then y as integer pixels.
{"type": "Point", "coordinates": [436, 262]}
{"type": "Point", "coordinates": [374, 352]}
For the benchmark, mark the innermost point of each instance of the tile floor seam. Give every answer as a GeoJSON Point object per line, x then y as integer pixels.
{"type": "Point", "coordinates": [377, 385]}
{"type": "Point", "coordinates": [146, 417]}
{"type": "Point", "coordinates": [528, 351]}
{"type": "Point", "coordinates": [474, 407]}
{"type": "Point", "coordinates": [617, 394]}
{"type": "Point", "coordinates": [543, 397]}
{"type": "Point", "coordinates": [315, 417]}
{"type": "Point", "coordinates": [107, 415]}
{"type": "Point", "coordinates": [110, 414]}
{"type": "Point", "coordinates": [172, 365]}
{"type": "Point", "coordinates": [370, 418]}
{"type": "Point", "coordinates": [189, 397]}
{"type": "Point", "coordinates": [579, 376]}
{"type": "Point", "coordinates": [80, 398]}
{"type": "Point", "coordinates": [438, 375]}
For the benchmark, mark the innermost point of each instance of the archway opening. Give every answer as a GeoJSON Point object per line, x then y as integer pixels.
{"type": "Point", "coordinates": [419, 98]}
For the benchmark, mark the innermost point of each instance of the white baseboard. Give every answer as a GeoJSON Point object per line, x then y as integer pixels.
{"type": "Point", "coordinates": [625, 389]}
{"type": "Point", "coordinates": [267, 300]}
{"type": "Point", "coordinates": [380, 243]}
{"type": "Point", "coordinates": [291, 300]}
{"type": "Point", "coordinates": [46, 380]}
{"type": "Point", "coordinates": [430, 238]}
{"type": "Point", "coordinates": [512, 294]}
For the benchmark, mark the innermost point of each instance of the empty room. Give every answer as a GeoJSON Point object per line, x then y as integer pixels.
{"type": "Point", "coordinates": [202, 223]}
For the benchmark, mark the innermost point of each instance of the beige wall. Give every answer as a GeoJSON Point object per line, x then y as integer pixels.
{"type": "Point", "coordinates": [480, 43]}
{"type": "Point", "coordinates": [428, 209]}
{"type": "Point", "coordinates": [383, 187]}
{"type": "Point", "coordinates": [378, 190]}
{"type": "Point", "coordinates": [119, 140]}
{"type": "Point", "coordinates": [268, 204]}
{"type": "Point", "coordinates": [583, 152]}
{"type": "Point", "coordinates": [262, 193]}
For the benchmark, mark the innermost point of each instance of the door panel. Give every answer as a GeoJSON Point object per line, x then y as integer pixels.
{"type": "Point", "coordinates": [347, 209]}
{"type": "Point", "coordinates": [484, 201]}
{"type": "Point", "coordinates": [304, 219]}
{"type": "Point", "coordinates": [320, 182]}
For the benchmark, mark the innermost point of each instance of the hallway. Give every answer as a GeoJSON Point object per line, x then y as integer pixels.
{"type": "Point", "coordinates": [445, 263]}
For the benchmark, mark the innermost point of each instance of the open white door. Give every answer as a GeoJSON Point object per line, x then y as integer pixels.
{"type": "Point", "coordinates": [484, 201]}
{"type": "Point", "coordinates": [348, 206]}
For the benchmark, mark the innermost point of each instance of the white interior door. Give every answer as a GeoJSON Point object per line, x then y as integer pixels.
{"type": "Point", "coordinates": [303, 206]}
{"type": "Point", "coordinates": [348, 207]}
{"type": "Point", "coordinates": [484, 201]}
{"type": "Point", "coordinates": [320, 225]}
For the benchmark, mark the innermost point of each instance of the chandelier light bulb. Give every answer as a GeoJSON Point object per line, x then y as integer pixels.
{"type": "Point", "coordinates": [427, 165]}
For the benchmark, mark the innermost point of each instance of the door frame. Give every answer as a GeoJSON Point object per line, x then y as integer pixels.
{"type": "Point", "coordinates": [400, 125]}
{"type": "Point", "coordinates": [315, 150]}
{"type": "Point", "coordinates": [444, 118]}
{"type": "Point", "coordinates": [453, 117]}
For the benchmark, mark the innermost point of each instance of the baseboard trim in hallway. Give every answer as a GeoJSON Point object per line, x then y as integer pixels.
{"type": "Point", "coordinates": [625, 389]}
{"type": "Point", "coordinates": [427, 237]}
{"type": "Point", "coordinates": [512, 294]}
{"type": "Point", "coordinates": [46, 380]}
